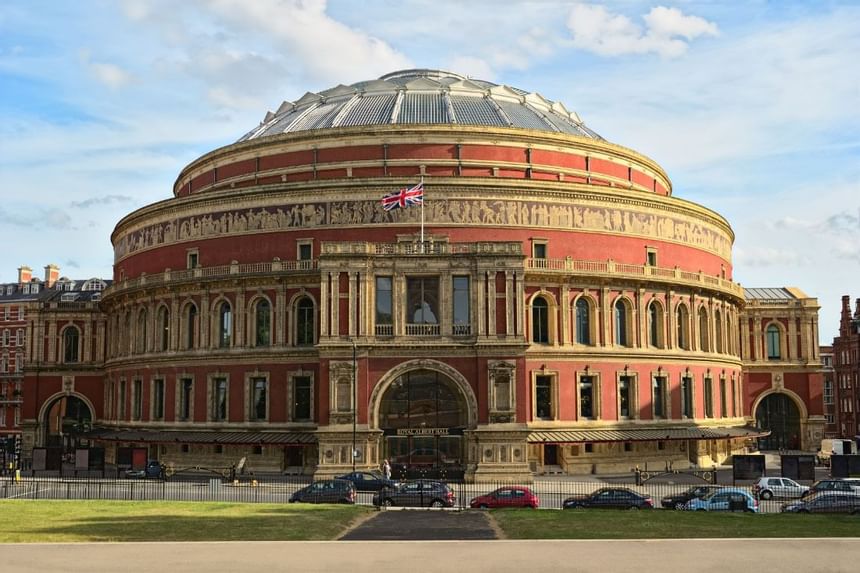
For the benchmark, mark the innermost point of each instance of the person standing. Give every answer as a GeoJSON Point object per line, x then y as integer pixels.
{"type": "Point", "coordinates": [386, 469]}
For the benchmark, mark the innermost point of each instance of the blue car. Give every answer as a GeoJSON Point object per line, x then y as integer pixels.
{"type": "Point", "coordinates": [153, 469]}
{"type": "Point", "coordinates": [725, 499]}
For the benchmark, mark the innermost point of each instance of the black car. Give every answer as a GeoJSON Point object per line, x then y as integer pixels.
{"type": "Point", "coordinates": [369, 481]}
{"type": "Point", "coordinates": [326, 491]}
{"type": "Point", "coordinates": [678, 500]}
{"type": "Point", "coordinates": [832, 502]}
{"type": "Point", "coordinates": [418, 493]}
{"type": "Point", "coordinates": [610, 498]}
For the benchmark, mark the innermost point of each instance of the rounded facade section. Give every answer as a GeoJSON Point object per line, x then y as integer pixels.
{"type": "Point", "coordinates": [548, 304]}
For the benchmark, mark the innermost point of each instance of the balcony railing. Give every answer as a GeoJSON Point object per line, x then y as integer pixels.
{"type": "Point", "coordinates": [612, 269]}
{"type": "Point", "coordinates": [170, 276]}
{"type": "Point", "coordinates": [427, 248]}
{"type": "Point", "coordinates": [422, 330]}
{"type": "Point", "coordinates": [462, 330]}
{"type": "Point", "coordinates": [384, 330]}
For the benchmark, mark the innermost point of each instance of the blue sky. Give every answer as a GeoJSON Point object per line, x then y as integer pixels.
{"type": "Point", "coordinates": [751, 107]}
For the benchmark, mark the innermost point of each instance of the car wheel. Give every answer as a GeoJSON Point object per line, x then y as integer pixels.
{"type": "Point", "coordinates": [388, 502]}
{"type": "Point", "coordinates": [437, 503]}
{"type": "Point", "coordinates": [701, 509]}
{"type": "Point", "coordinates": [679, 506]}
{"type": "Point", "coordinates": [748, 510]}
{"type": "Point", "coordinates": [483, 506]}
{"type": "Point", "coordinates": [766, 494]}
{"type": "Point", "coordinates": [633, 508]}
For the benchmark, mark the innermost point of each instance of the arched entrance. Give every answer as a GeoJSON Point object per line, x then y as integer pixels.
{"type": "Point", "coordinates": [422, 415]}
{"type": "Point", "coordinates": [65, 421]}
{"type": "Point", "coordinates": [779, 414]}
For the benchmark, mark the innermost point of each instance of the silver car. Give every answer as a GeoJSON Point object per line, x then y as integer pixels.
{"type": "Point", "coordinates": [778, 487]}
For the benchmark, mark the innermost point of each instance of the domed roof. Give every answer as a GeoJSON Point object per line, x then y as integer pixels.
{"type": "Point", "coordinates": [421, 97]}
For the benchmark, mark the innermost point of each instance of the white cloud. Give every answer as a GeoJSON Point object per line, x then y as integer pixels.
{"type": "Point", "coordinates": [110, 75]}
{"type": "Point", "coordinates": [472, 67]}
{"type": "Point", "coordinates": [667, 31]}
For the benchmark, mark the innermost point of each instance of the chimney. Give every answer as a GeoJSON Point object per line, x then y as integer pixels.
{"type": "Point", "coordinates": [845, 317]}
{"type": "Point", "coordinates": [52, 273]}
{"type": "Point", "coordinates": [25, 273]}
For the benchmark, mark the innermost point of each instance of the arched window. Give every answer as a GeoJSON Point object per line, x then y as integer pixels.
{"type": "Point", "coordinates": [730, 333]}
{"type": "Point", "coordinates": [583, 321]}
{"type": "Point", "coordinates": [305, 322]}
{"type": "Point", "coordinates": [225, 324]}
{"type": "Point", "coordinates": [71, 339]}
{"type": "Point", "coordinates": [655, 324]}
{"type": "Point", "coordinates": [141, 332]}
{"type": "Point", "coordinates": [163, 328]}
{"type": "Point", "coordinates": [621, 337]}
{"type": "Point", "coordinates": [682, 320]}
{"type": "Point", "coordinates": [190, 326]}
{"type": "Point", "coordinates": [540, 321]}
{"type": "Point", "coordinates": [263, 326]}
{"type": "Point", "coordinates": [127, 334]}
{"type": "Point", "coordinates": [773, 343]}
{"type": "Point", "coordinates": [703, 330]}
{"type": "Point", "coordinates": [718, 332]}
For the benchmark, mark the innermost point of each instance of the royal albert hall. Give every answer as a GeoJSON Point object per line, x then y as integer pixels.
{"type": "Point", "coordinates": [552, 306]}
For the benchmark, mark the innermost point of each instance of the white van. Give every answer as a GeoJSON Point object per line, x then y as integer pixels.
{"type": "Point", "coordinates": [833, 447]}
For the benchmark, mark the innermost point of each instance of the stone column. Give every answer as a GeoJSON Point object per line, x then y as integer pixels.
{"type": "Point", "coordinates": [352, 303]}
{"type": "Point", "coordinates": [564, 323]}
{"type": "Point", "coordinates": [509, 303]}
{"type": "Point", "coordinates": [491, 303]}
{"type": "Point", "coordinates": [482, 297]}
{"type": "Point", "coordinates": [279, 325]}
{"type": "Point", "coordinates": [519, 303]}
{"type": "Point", "coordinates": [792, 339]}
{"type": "Point", "coordinates": [334, 302]}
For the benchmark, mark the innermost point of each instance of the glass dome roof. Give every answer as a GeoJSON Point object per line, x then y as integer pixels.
{"type": "Point", "coordinates": [421, 97]}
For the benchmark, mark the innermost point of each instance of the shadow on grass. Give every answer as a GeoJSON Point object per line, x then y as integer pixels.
{"type": "Point", "coordinates": [196, 522]}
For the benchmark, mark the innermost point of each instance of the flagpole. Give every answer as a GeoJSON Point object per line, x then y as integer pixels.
{"type": "Point", "coordinates": [422, 215]}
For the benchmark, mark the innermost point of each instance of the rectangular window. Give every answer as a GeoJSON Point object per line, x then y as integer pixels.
{"type": "Point", "coordinates": [122, 399]}
{"type": "Point", "coordinates": [219, 399]}
{"type": "Point", "coordinates": [586, 397]}
{"type": "Point", "coordinates": [422, 306]}
{"type": "Point", "coordinates": [829, 418]}
{"type": "Point", "coordinates": [462, 317]}
{"type": "Point", "coordinates": [687, 397]}
{"type": "Point", "coordinates": [543, 398]}
{"type": "Point", "coordinates": [539, 250]}
{"type": "Point", "coordinates": [136, 399]}
{"type": "Point", "coordinates": [828, 392]}
{"type": "Point", "coordinates": [302, 398]}
{"type": "Point", "coordinates": [625, 384]}
{"type": "Point", "coordinates": [384, 313]}
{"type": "Point", "coordinates": [158, 399]}
{"type": "Point", "coordinates": [186, 397]}
{"type": "Point", "coordinates": [193, 260]}
{"type": "Point", "coordinates": [305, 251]}
{"type": "Point", "coordinates": [709, 397]}
{"type": "Point", "coordinates": [651, 257]}
{"type": "Point", "coordinates": [658, 396]}
{"type": "Point", "coordinates": [258, 395]}
{"type": "Point", "coordinates": [723, 401]}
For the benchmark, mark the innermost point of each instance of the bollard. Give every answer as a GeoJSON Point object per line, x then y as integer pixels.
{"type": "Point", "coordinates": [17, 475]}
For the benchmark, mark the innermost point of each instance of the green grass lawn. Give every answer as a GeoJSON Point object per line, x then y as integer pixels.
{"type": "Point", "coordinates": [71, 521]}
{"type": "Point", "coordinates": [595, 524]}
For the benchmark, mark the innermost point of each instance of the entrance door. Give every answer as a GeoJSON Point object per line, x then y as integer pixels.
{"type": "Point", "coordinates": [779, 414]}
{"type": "Point", "coordinates": [550, 455]}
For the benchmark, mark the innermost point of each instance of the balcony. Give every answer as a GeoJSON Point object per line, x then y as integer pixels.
{"type": "Point", "coordinates": [216, 272]}
{"type": "Point", "coordinates": [422, 329]}
{"type": "Point", "coordinates": [609, 268]}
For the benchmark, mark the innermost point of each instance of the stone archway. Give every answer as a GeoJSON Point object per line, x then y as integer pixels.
{"type": "Point", "coordinates": [423, 409]}
{"type": "Point", "coordinates": [64, 419]}
{"type": "Point", "coordinates": [779, 413]}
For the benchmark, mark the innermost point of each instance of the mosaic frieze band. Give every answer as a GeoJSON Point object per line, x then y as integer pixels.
{"type": "Point", "coordinates": [437, 212]}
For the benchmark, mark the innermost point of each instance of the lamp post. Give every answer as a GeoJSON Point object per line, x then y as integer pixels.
{"type": "Point", "coordinates": [354, 402]}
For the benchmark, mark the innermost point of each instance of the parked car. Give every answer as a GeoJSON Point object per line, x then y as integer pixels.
{"type": "Point", "coordinates": [326, 491]}
{"type": "Point", "coordinates": [369, 481]}
{"type": "Point", "coordinates": [418, 493]}
{"type": "Point", "coordinates": [610, 498]}
{"type": "Point", "coordinates": [779, 487]}
{"type": "Point", "coordinates": [153, 469]}
{"type": "Point", "coordinates": [514, 496]}
{"type": "Point", "coordinates": [724, 499]}
{"type": "Point", "coordinates": [678, 500]}
{"type": "Point", "coordinates": [846, 485]}
{"type": "Point", "coordinates": [830, 502]}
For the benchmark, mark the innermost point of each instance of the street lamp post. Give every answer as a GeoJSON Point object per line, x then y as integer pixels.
{"type": "Point", "coordinates": [354, 403]}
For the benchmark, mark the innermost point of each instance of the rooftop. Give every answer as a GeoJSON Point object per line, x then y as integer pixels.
{"type": "Point", "coordinates": [421, 96]}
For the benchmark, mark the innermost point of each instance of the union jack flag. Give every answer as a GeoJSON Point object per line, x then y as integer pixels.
{"type": "Point", "coordinates": [403, 198]}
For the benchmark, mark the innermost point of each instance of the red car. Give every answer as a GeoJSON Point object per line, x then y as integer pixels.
{"type": "Point", "coordinates": [514, 496]}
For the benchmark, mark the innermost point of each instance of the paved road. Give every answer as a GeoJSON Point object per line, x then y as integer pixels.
{"type": "Point", "coordinates": [620, 556]}
{"type": "Point", "coordinates": [552, 491]}
{"type": "Point", "coordinates": [423, 524]}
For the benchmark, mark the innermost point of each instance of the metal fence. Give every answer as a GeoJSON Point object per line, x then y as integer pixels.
{"type": "Point", "coordinates": [551, 493]}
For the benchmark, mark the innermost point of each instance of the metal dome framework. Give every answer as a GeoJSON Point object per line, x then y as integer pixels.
{"type": "Point", "coordinates": [421, 96]}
